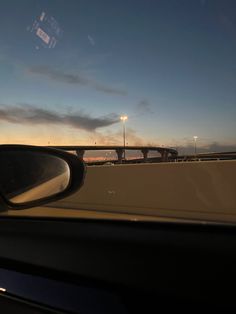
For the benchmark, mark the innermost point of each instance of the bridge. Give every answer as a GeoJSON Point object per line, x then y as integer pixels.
{"type": "Point", "coordinates": [163, 151]}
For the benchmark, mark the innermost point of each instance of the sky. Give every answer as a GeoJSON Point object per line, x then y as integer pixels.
{"type": "Point", "coordinates": [70, 69]}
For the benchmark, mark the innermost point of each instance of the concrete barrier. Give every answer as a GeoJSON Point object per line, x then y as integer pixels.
{"type": "Point", "coordinates": [202, 190]}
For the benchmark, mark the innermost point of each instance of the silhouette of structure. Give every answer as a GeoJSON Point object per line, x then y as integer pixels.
{"type": "Point", "coordinates": [165, 152]}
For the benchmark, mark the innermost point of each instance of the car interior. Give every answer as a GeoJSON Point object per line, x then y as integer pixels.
{"type": "Point", "coordinates": [117, 156]}
{"type": "Point", "coordinates": [86, 266]}
{"type": "Point", "coordinates": [79, 265]}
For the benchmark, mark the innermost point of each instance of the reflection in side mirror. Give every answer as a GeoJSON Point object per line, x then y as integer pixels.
{"type": "Point", "coordinates": [31, 176]}
{"type": "Point", "coordinates": [28, 175]}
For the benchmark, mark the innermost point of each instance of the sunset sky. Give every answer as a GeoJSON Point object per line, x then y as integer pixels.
{"type": "Point", "coordinates": [70, 68]}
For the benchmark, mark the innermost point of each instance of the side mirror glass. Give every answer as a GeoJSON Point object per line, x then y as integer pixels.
{"type": "Point", "coordinates": [32, 176]}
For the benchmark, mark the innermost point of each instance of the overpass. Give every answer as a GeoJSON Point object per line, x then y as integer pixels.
{"type": "Point", "coordinates": [163, 151]}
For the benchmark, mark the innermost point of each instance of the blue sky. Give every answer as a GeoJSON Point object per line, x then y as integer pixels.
{"type": "Point", "coordinates": [169, 65]}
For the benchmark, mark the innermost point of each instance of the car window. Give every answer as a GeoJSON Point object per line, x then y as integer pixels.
{"type": "Point", "coordinates": [142, 91]}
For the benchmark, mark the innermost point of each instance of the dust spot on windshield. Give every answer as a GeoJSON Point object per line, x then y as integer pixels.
{"type": "Point", "coordinates": [46, 31]}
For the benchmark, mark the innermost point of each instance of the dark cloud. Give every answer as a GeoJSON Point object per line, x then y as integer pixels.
{"type": "Point", "coordinates": [26, 114]}
{"type": "Point", "coordinates": [214, 147]}
{"type": "Point", "coordinates": [75, 79]}
{"type": "Point", "coordinates": [144, 106]}
{"type": "Point", "coordinates": [219, 147]}
{"type": "Point", "coordinates": [89, 123]}
{"type": "Point", "coordinates": [109, 137]}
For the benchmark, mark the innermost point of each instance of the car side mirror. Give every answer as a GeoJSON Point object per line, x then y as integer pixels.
{"type": "Point", "coordinates": [33, 176]}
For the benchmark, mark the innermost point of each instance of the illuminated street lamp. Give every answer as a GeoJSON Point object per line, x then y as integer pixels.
{"type": "Point", "coordinates": [195, 144]}
{"type": "Point", "coordinates": [123, 119]}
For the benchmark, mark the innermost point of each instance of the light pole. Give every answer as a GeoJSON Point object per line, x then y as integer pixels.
{"type": "Point", "coordinates": [123, 119]}
{"type": "Point", "coordinates": [195, 144]}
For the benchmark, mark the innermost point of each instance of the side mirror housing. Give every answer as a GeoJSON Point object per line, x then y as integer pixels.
{"type": "Point", "coordinates": [33, 176]}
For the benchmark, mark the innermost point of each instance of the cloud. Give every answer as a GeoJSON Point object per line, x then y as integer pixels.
{"type": "Point", "coordinates": [88, 123]}
{"type": "Point", "coordinates": [133, 139]}
{"type": "Point", "coordinates": [27, 114]}
{"type": "Point", "coordinates": [219, 147]}
{"type": "Point", "coordinates": [116, 138]}
{"type": "Point", "coordinates": [74, 79]}
{"type": "Point", "coordinates": [213, 147]}
{"type": "Point", "coordinates": [144, 106]}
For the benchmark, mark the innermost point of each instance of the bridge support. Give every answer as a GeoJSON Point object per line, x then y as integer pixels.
{"type": "Point", "coordinates": [145, 154]}
{"type": "Point", "coordinates": [80, 153]}
{"type": "Point", "coordinates": [174, 155]}
{"type": "Point", "coordinates": [119, 153]}
{"type": "Point", "coordinates": [164, 156]}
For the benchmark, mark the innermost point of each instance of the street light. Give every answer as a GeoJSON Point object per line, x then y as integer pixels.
{"type": "Point", "coordinates": [195, 144]}
{"type": "Point", "coordinates": [123, 119]}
